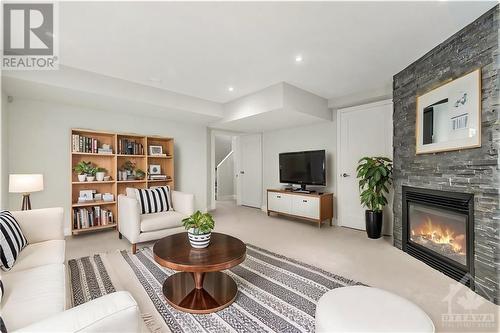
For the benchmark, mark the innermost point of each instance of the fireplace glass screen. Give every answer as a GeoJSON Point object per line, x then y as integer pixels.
{"type": "Point", "coordinates": [439, 230]}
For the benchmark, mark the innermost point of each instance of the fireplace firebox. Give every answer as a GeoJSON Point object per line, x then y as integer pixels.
{"type": "Point", "coordinates": [438, 229]}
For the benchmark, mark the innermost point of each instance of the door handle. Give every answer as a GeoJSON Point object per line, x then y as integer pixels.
{"type": "Point", "coordinates": [242, 172]}
{"type": "Point", "coordinates": [345, 175]}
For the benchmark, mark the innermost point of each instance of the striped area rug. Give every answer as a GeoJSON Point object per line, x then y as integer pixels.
{"type": "Point", "coordinates": [275, 294]}
{"type": "Point", "coordinates": [89, 279]}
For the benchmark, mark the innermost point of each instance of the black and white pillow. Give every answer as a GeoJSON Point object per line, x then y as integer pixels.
{"type": "Point", "coordinates": [12, 240]}
{"type": "Point", "coordinates": [154, 200]}
{"type": "Point", "coordinates": [3, 329]}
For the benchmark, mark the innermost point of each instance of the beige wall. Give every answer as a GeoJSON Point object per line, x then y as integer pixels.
{"type": "Point", "coordinates": [4, 178]}
{"type": "Point", "coordinates": [312, 137]}
{"type": "Point", "coordinates": [39, 142]}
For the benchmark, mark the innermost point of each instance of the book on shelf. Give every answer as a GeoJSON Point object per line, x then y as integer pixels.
{"type": "Point", "coordinates": [83, 144]}
{"type": "Point", "coordinates": [158, 177]}
{"type": "Point", "coordinates": [130, 147]}
{"type": "Point", "coordinates": [96, 216]}
{"type": "Point", "coordinates": [104, 151]}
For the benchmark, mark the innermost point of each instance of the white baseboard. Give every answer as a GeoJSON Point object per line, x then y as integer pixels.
{"type": "Point", "coordinates": [226, 197]}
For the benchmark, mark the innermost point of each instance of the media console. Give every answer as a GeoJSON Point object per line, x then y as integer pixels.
{"type": "Point", "coordinates": [316, 207]}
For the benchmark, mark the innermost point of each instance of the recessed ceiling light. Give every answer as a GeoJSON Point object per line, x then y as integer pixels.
{"type": "Point", "coordinates": [298, 58]}
{"type": "Point", "coordinates": [230, 88]}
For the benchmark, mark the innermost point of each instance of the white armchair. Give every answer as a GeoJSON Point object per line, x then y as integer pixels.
{"type": "Point", "coordinates": [138, 228]}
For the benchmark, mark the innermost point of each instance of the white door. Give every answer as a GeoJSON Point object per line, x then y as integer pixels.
{"type": "Point", "coordinates": [250, 170]}
{"type": "Point", "coordinates": [362, 131]}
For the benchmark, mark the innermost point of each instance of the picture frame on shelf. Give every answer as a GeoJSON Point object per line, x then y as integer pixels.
{"type": "Point", "coordinates": [156, 151]}
{"type": "Point", "coordinates": [154, 169]}
{"type": "Point", "coordinates": [86, 195]}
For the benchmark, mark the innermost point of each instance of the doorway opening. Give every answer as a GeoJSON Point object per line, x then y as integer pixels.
{"type": "Point", "coordinates": [224, 182]}
{"type": "Point", "coordinates": [235, 169]}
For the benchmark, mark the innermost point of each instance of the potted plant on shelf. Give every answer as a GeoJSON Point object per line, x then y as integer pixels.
{"type": "Point", "coordinates": [129, 168]}
{"type": "Point", "coordinates": [375, 175]}
{"type": "Point", "coordinates": [199, 226]}
{"type": "Point", "coordinates": [100, 173]}
{"type": "Point", "coordinates": [140, 174]}
{"type": "Point", "coordinates": [91, 173]}
{"type": "Point", "coordinates": [82, 169]}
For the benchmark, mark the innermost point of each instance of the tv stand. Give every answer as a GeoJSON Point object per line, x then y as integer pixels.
{"type": "Point", "coordinates": [313, 207]}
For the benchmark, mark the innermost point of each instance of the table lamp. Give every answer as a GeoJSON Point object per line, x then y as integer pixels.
{"type": "Point", "coordinates": [25, 184]}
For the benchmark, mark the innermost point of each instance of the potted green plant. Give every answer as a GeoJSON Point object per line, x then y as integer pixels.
{"type": "Point", "coordinates": [199, 227]}
{"type": "Point", "coordinates": [82, 169]}
{"type": "Point", "coordinates": [91, 173]}
{"type": "Point", "coordinates": [100, 173]}
{"type": "Point", "coordinates": [140, 174]}
{"type": "Point", "coordinates": [374, 175]}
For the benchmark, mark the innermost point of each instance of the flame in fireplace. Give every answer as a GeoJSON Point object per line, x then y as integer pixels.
{"type": "Point", "coordinates": [440, 234]}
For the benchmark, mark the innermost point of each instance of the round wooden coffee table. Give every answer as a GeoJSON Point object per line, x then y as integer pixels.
{"type": "Point", "coordinates": [199, 287]}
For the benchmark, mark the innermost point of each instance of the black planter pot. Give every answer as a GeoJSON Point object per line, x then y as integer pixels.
{"type": "Point", "coordinates": [373, 223]}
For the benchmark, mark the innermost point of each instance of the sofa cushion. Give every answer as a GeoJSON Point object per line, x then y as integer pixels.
{"type": "Point", "coordinates": [130, 191]}
{"type": "Point", "coordinates": [40, 254]}
{"type": "Point", "coordinates": [159, 221]}
{"type": "Point", "coordinates": [12, 240]}
{"type": "Point", "coordinates": [32, 295]}
{"type": "Point", "coordinates": [154, 200]}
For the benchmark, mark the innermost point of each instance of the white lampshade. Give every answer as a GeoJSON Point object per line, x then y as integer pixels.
{"type": "Point", "coordinates": [25, 183]}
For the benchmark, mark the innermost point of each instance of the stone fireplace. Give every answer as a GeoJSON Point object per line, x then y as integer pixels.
{"type": "Point", "coordinates": [438, 229]}
{"type": "Point", "coordinates": [467, 172]}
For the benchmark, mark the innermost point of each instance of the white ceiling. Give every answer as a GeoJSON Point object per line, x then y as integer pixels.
{"type": "Point", "coordinates": [199, 49]}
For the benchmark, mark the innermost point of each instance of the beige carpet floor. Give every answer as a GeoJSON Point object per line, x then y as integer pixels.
{"type": "Point", "coordinates": [340, 250]}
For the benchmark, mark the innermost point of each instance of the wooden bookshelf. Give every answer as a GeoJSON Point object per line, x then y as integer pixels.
{"type": "Point", "coordinates": [137, 152]}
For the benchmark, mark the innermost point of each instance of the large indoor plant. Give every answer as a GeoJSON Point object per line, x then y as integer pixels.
{"type": "Point", "coordinates": [375, 175]}
{"type": "Point", "coordinates": [199, 226]}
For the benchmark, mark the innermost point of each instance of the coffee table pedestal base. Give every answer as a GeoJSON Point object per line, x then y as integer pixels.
{"type": "Point", "coordinates": [219, 290]}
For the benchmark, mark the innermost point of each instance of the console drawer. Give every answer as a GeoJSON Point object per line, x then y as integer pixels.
{"type": "Point", "coordinates": [305, 206]}
{"type": "Point", "coordinates": [279, 202]}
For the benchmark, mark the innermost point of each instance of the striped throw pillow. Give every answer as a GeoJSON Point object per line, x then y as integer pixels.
{"type": "Point", "coordinates": [3, 329]}
{"type": "Point", "coordinates": [154, 200]}
{"type": "Point", "coordinates": [12, 240]}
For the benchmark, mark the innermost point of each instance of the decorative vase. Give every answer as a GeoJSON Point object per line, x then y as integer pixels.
{"type": "Point", "coordinates": [198, 241]}
{"type": "Point", "coordinates": [82, 178]}
{"type": "Point", "coordinates": [90, 178]}
{"type": "Point", "coordinates": [373, 223]}
{"type": "Point", "coordinates": [99, 176]}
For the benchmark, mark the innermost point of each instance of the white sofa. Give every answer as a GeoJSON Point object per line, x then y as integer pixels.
{"type": "Point", "coordinates": [34, 289]}
{"type": "Point", "coordinates": [138, 228]}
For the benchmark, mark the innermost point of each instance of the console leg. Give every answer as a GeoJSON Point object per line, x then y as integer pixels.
{"type": "Point", "coordinates": [268, 214]}
{"type": "Point", "coordinates": [331, 222]}
{"type": "Point", "coordinates": [134, 248]}
{"type": "Point", "coordinates": [120, 235]}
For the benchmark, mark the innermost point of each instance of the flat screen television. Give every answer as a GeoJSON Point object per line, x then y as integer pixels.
{"type": "Point", "coordinates": [303, 167]}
